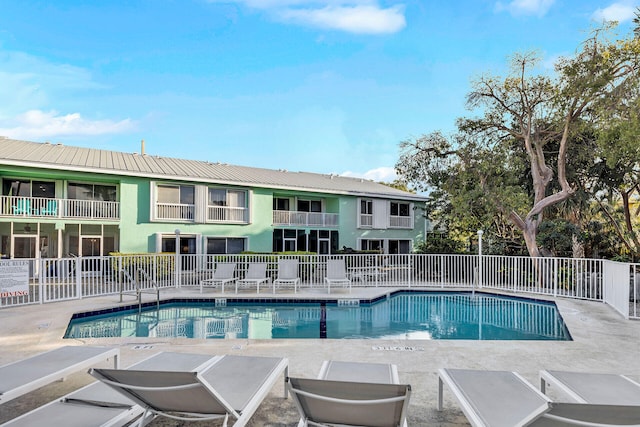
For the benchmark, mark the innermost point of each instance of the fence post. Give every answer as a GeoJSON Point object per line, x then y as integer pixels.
{"type": "Point", "coordinates": [178, 260]}
{"type": "Point", "coordinates": [40, 284]}
{"type": "Point", "coordinates": [119, 276]}
{"type": "Point", "coordinates": [555, 277]}
{"type": "Point", "coordinates": [480, 232]}
{"type": "Point", "coordinates": [78, 276]}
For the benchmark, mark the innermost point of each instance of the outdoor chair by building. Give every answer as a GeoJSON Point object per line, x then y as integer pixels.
{"type": "Point", "coordinates": [336, 274]}
{"type": "Point", "coordinates": [287, 274]}
{"type": "Point", "coordinates": [22, 207]}
{"type": "Point", "coordinates": [222, 275]}
{"type": "Point", "coordinates": [256, 274]}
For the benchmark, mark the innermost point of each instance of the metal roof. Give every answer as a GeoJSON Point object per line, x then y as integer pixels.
{"type": "Point", "coordinates": [63, 157]}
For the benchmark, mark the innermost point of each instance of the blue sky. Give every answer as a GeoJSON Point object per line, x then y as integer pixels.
{"type": "Point", "coordinates": [328, 86]}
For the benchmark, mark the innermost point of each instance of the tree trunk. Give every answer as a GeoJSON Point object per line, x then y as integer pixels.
{"type": "Point", "coordinates": [577, 247]}
{"type": "Point", "coordinates": [529, 228]}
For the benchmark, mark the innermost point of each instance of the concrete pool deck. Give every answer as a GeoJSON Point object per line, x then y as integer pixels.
{"type": "Point", "coordinates": [602, 342]}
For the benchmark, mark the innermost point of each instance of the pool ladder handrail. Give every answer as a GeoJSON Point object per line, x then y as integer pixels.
{"type": "Point", "coordinates": [139, 290]}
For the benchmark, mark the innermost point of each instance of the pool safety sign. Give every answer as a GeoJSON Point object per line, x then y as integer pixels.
{"type": "Point", "coordinates": [14, 278]}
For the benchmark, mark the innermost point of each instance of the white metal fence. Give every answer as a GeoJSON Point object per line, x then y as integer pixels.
{"type": "Point", "coordinates": [617, 284]}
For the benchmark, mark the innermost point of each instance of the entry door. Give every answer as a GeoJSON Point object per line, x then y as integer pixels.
{"type": "Point", "coordinates": [26, 247]}
{"type": "Point", "coordinates": [188, 248]}
{"type": "Point", "coordinates": [324, 246]}
{"type": "Point", "coordinates": [91, 248]}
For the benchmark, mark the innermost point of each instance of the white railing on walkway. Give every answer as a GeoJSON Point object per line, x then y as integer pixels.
{"type": "Point", "coordinates": [318, 219]}
{"type": "Point", "coordinates": [42, 207]}
{"type": "Point", "coordinates": [617, 284]}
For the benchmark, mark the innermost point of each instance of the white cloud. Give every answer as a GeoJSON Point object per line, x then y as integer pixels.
{"type": "Point", "coordinates": [354, 19]}
{"type": "Point", "coordinates": [31, 82]}
{"type": "Point", "coordinates": [353, 16]}
{"type": "Point", "coordinates": [526, 7]}
{"type": "Point", "coordinates": [621, 11]}
{"type": "Point", "coordinates": [381, 174]}
{"type": "Point", "coordinates": [37, 124]}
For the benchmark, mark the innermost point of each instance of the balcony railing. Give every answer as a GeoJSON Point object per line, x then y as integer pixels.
{"type": "Point", "coordinates": [400, 222]}
{"type": "Point", "coordinates": [366, 221]}
{"type": "Point", "coordinates": [175, 211]}
{"type": "Point", "coordinates": [42, 207]}
{"type": "Point", "coordinates": [316, 219]}
{"type": "Point", "coordinates": [227, 214]}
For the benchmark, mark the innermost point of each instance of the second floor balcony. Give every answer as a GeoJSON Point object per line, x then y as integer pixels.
{"type": "Point", "coordinates": [175, 211]}
{"type": "Point", "coordinates": [42, 207]}
{"type": "Point", "coordinates": [366, 221]}
{"type": "Point", "coordinates": [227, 214]}
{"type": "Point", "coordinates": [312, 219]}
{"type": "Point", "coordinates": [187, 212]}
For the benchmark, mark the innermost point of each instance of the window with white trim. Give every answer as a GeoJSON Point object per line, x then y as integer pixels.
{"type": "Point", "coordinates": [227, 205]}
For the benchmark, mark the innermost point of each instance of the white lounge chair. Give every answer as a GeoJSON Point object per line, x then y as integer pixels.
{"type": "Point", "coordinates": [287, 274]}
{"type": "Point", "coordinates": [256, 274]}
{"type": "Point", "coordinates": [222, 275]}
{"type": "Point", "coordinates": [99, 405]}
{"type": "Point", "coordinates": [351, 394]}
{"type": "Point", "coordinates": [232, 386]}
{"type": "Point", "coordinates": [505, 399]}
{"type": "Point", "coordinates": [587, 387]}
{"type": "Point", "coordinates": [26, 375]}
{"type": "Point", "coordinates": [336, 274]}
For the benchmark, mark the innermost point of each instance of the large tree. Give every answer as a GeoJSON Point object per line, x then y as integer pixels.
{"type": "Point", "coordinates": [538, 111]}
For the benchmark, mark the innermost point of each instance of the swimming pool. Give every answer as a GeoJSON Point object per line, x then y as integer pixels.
{"type": "Point", "coordinates": [399, 315]}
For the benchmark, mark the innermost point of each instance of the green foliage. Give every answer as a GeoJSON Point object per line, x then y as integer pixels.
{"type": "Point", "coordinates": [557, 237]}
{"type": "Point", "coordinates": [560, 148]}
{"type": "Point", "coordinates": [439, 244]}
{"type": "Point", "coordinates": [160, 265]}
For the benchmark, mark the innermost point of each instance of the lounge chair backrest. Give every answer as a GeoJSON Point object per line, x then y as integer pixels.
{"type": "Point", "coordinates": [336, 269]}
{"type": "Point", "coordinates": [165, 391]}
{"type": "Point", "coordinates": [257, 271]}
{"type": "Point", "coordinates": [588, 414]}
{"type": "Point", "coordinates": [350, 403]}
{"type": "Point", "coordinates": [287, 269]}
{"type": "Point", "coordinates": [224, 270]}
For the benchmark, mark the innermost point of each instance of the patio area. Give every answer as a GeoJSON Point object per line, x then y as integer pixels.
{"type": "Point", "coordinates": [602, 342]}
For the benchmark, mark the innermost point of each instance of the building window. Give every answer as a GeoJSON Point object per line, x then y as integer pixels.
{"type": "Point", "coordinates": [366, 213]}
{"type": "Point", "coordinates": [27, 188]}
{"type": "Point", "coordinates": [399, 246]}
{"type": "Point", "coordinates": [319, 241]}
{"type": "Point", "coordinates": [366, 207]}
{"type": "Point", "coordinates": [371, 245]}
{"type": "Point", "coordinates": [225, 245]}
{"type": "Point", "coordinates": [280, 204]}
{"type": "Point", "coordinates": [288, 240]}
{"type": "Point", "coordinates": [95, 192]}
{"type": "Point", "coordinates": [400, 215]}
{"type": "Point", "coordinates": [400, 209]}
{"type": "Point", "coordinates": [176, 194]}
{"type": "Point", "coordinates": [309, 206]}
{"type": "Point", "coordinates": [227, 205]}
{"type": "Point", "coordinates": [175, 202]}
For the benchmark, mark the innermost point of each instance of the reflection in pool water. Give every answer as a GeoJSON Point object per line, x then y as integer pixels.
{"type": "Point", "coordinates": [404, 315]}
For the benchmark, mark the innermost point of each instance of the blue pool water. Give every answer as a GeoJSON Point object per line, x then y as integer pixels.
{"type": "Point", "coordinates": [401, 315]}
